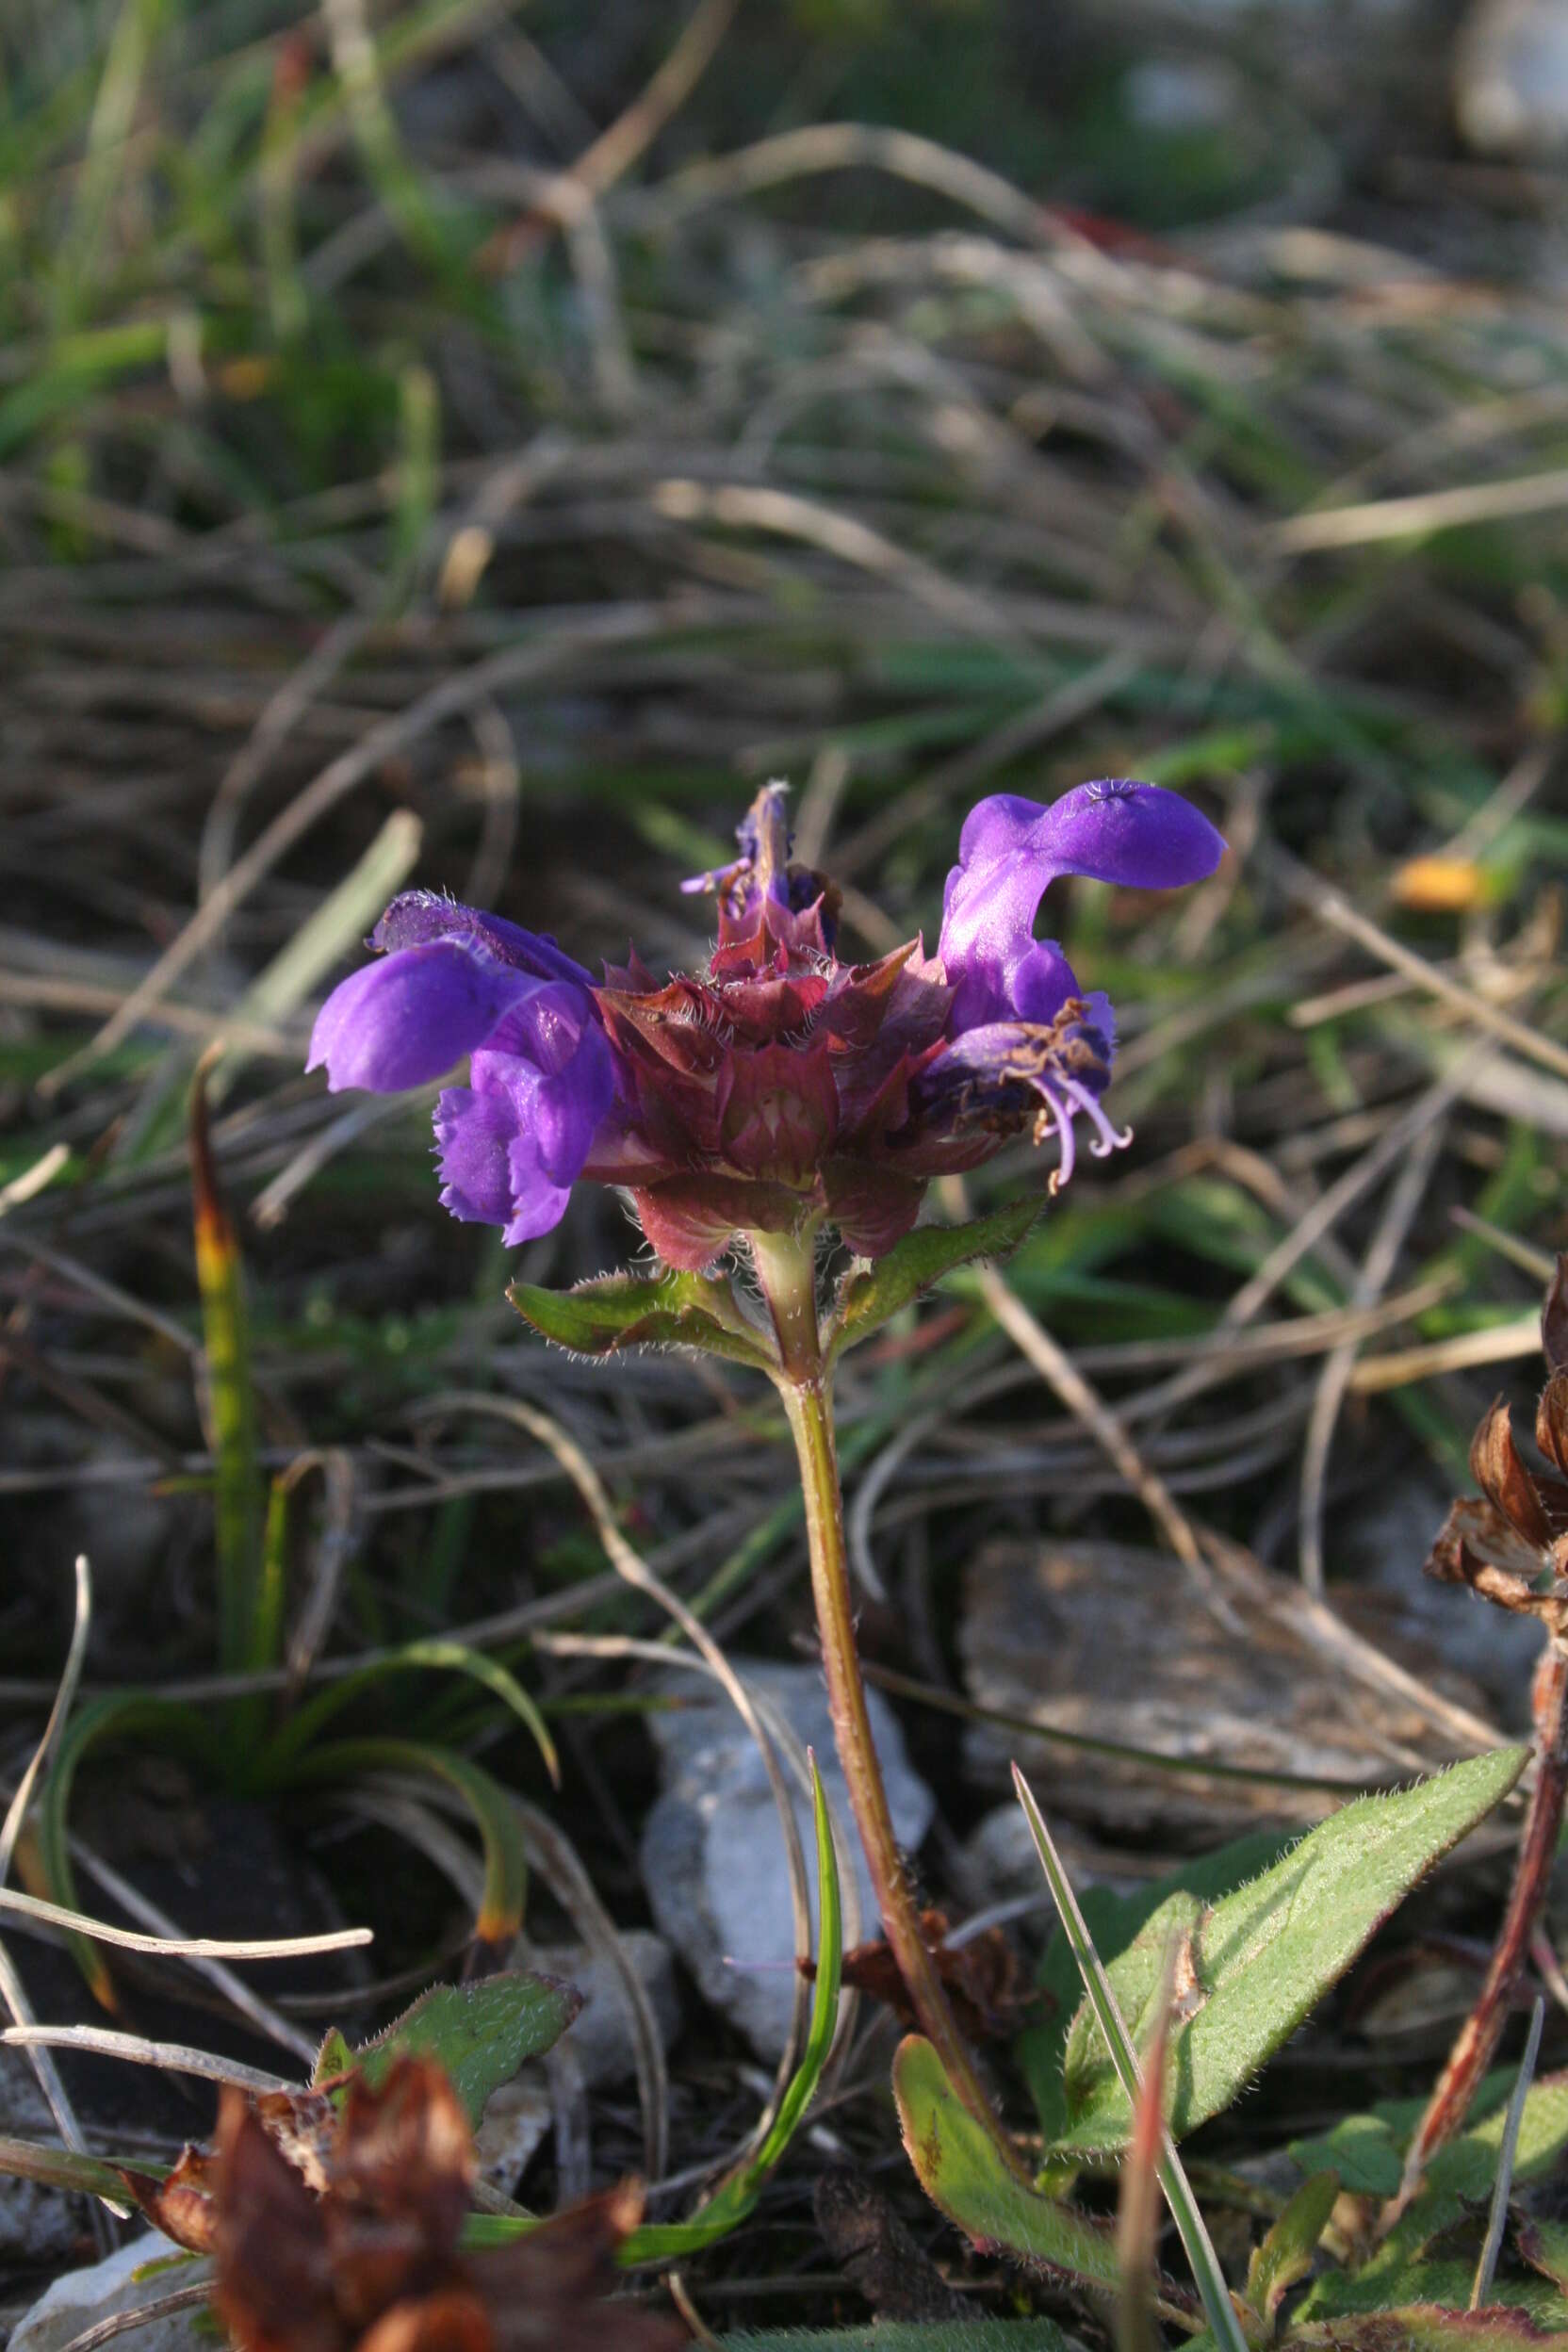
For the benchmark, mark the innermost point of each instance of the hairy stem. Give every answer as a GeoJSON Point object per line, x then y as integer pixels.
{"type": "Point", "coordinates": [785, 1266]}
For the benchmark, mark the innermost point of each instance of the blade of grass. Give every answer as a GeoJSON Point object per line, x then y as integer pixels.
{"type": "Point", "coordinates": [231, 1400]}
{"type": "Point", "coordinates": [1498, 2219]}
{"type": "Point", "coordinates": [1173, 2180]}
{"type": "Point", "coordinates": [287, 1744]}
{"type": "Point", "coordinates": [501, 1913]}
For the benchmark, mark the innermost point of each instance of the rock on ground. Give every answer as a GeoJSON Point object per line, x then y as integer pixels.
{"type": "Point", "coordinates": [712, 1854]}
{"type": "Point", "coordinates": [37, 2223]}
{"type": "Point", "coordinates": [82, 2297]}
{"type": "Point", "coordinates": [1113, 1641]}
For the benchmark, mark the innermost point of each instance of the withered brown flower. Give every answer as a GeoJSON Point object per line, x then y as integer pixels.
{"type": "Point", "coordinates": [360, 2251]}
{"type": "Point", "coordinates": [1510, 1543]}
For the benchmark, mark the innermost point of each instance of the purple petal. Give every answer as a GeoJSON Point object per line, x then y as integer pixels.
{"type": "Point", "coordinates": [1039, 983]}
{"type": "Point", "coordinates": [514, 1142]}
{"type": "Point", "coordinates": [1011, 850]}
{"type": "Point", "coordinates": [475, 1132]}
{"type": "Point", "coordinates": [490, 1170]}
{"type": "Point", "coordinates": [400, 1023]}
{"type": "Point", "coordinates": [554, 1065]}
{"type": "Point", "coordinates": [538, 1204]}
{"type": "Point", "coordinates": [421, 916]}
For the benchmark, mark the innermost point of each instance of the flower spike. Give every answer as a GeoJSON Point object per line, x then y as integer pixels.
{"type": "Point", "coordinates": [779, 1086]}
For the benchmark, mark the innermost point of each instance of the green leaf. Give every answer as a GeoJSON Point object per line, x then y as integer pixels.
{"type": "Point", "coordinates": [961, 2171]}
{"type": "Point", "coordinates": [1367, 2153]}
{"type": "Point", "coordinates": [1337, 2294]}
{"type": "Point", "coordinates": [1431, 2327]}
{"type": "Point", "coordinates": [730, 2205]}
{"type": "Point", "coordinates": [231, 1402]}
{"type": "Point", "coordinates": [1114, 1920]}
{"type": "Point", "coordinates": [1364, 2151]}
{"type": "Point", "coordinates": [867, 1297]}
{"type": "Point", "coordinates": [735, 2198]}
{"type": "Point", "coordinates": [1285, 2256]}
{"type": "Point", "coordinates": [113, 1715]}
{"type": "Point", "coordinates": [64, 2169]}
{"type": "Point", "coordinates": [668, 1310]}
{"type": "Point", "coordinates": [1263, 1956]}
{"type": "Point", "coordinates": [482, 2034]}
{"type": "Point", "coordinates": [1544, 2246]}
{"type": "Point", "coordinates": [1460, 2178]}
{"type": "Point", "coordinates": [1224, 2320]}
{"type": "Point", "coordinates": [884, 2335]}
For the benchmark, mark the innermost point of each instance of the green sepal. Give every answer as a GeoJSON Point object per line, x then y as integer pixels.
{"type": "Point", "coordinates": [869, 1294]}
{"type": "Point", "coordinates": [481, 2033]}
{"type": "Point", "coordinates": [671, 1309]}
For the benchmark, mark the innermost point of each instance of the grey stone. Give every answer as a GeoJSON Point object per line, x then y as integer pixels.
{"type": "Point", "coordinates": [1379, 1543]}
{"type": "Point", "coordinates": [82, 2297]}
{"type": "Point", "coordinates": [1511, 78]}
{"type": "Point", "coordinates": [601, 2034]}
{"type": "Point", "coordinates": [37, 2223]}
{"type": "Point", "coordinates": [1182, 94]}
{"type": "Point", "coordinates": [712, 1857]}
{"type": "Point", "coordinates": [1102, 1639]}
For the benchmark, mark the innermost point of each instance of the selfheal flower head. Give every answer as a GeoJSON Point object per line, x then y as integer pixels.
{"type": "Point", "coordinates": [778, 1086]}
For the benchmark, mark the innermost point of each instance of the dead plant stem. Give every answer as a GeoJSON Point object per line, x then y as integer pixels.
{"type": "Point", "coordinates": [1482, 2029]}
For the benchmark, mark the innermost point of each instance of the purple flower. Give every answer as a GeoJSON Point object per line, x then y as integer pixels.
{"type": "Point", "coordinates": [777, 1086]}
{"type": "Point", "coordinates": [451, 982]}
{"type": "Point", "coordinates": [1011, 850]}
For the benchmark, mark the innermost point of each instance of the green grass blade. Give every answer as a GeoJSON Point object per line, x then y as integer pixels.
{"type": "Point", "coordinates": [431, 1656]}
{"type": "Point", "coordinates": [731, 2204]}
{"type": "Point", "coordinates": [1173, 2180]}
{"type": "Point", "coordinates": [231, 1399]}
{"type": "Point", "coordinates": [501, 1914]}
{"type": "Point", "coordinates": [115, 1715]}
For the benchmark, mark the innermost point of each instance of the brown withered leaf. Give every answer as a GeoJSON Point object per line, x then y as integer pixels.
{"type": "Point", "coordinates": [370, 2263]}
{"type": "Point", "coordinates": [985, 1982]}
{"type": "Point", "coordinates": [878, 2255]}
{"type": "Point", "coordinates": [401, 2169]}
{"type": "Point", "coordinates": [1551, 1435]}
{"type": "Point", "coordinates": [1511, 1545]}
{"type": "Point", "coordinates": [298, 2124]}
{"type": "Point", "coordinates": [1496, 1466]}
{"type": "Point", "coordinates": [550, 2292]}
{"type": "Point", "coordinates": [273, 2290]}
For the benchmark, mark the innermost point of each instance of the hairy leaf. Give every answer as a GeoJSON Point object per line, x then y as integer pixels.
{"type": "Point", "coordinates": [1544, 2246]}
{"type": "Point", "coordinates": [668, 1310]}
{"type": "Point", "coordinates": [1259, 1961]}
{"type": "Point", "coordinates": [952, 2335]}
{"type": "Point", "coordinates": [482, 2034]}
{"type": "Point", "coordinates": [1433, 2327]}
{"type": "Point", "coordinates": [868, 1297]}
{"type": "Point", "coordinates": [1114, 1922]}
{"type": "Point", "coordinates": [961, 2171]}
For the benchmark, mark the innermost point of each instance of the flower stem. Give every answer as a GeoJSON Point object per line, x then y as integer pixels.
{"type": "Point", "coordinates": [786, 1268]}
